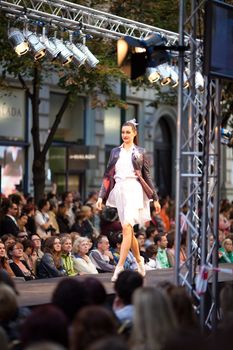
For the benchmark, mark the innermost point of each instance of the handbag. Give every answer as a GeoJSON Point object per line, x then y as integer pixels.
{"type": "Point", "coordinates": [146, 188]}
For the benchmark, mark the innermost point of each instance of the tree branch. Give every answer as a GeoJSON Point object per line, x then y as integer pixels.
{"type": "Point", "coordinates": [55, 125]}
{"type": "Point", "coordinates": [24, 85]}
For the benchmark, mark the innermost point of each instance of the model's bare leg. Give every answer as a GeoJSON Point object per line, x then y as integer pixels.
{"type": "Point", "coordinates": [126, 243]}
{"type": "Point", "coordinates": [135, 248]}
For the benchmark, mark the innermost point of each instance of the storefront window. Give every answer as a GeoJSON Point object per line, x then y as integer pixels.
{"type": "Point", "coordinates": [71, 127]}
{"type": "Point", "coordinates": [12, 115]}
{"type": "Point", "coordinates": [112, 125]}
{"type": "Point", "coordinates": [12, 165]}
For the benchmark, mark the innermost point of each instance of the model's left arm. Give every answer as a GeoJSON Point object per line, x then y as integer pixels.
{"type": "Point", "coordinates": [147, 177]}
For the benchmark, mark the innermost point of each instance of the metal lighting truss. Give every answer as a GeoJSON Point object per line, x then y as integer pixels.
{"type": "Point", "coordinates": [198, 164]}
{"type": "Point", "coordinates": [197, 183]}
{"type": "Point", "coordinates": [73, 16]}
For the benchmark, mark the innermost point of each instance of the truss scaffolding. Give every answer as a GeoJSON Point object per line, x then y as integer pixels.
{"type": "Point", "coordinates": [198, 127]}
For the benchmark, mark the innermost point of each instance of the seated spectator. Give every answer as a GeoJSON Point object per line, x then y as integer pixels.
{"type": "Point", "coordinates": [4, 261]}
{"type": "Point", "coordinates": [52, 217]}
{"type": "Point", "coordinates": [44, 226]}
{"type": "Point", "coordinates": [101, 257]}
{"type": "Point", "coordinates": [226, 251]}
{"type": "Point", "coordinates": [17, 263]}
{"type": "Point", "coordinates": [29, 209]}
{"type": "Point", "coordinates": [8, 240]}
{"type": "Point", "coordinates": [35, 238]}
{"type": "Point", "coordinates": [151, 232]}
{"type": "Point", "coordinates": [29, 254]}
{"type": "Point", "coordinates": [141, 242]}
{"type": "Point", "coordinates": [8, 224]}
{"type": "Point", "coordinates": [109, 221]}
{"type": "Point", "coordinates": [22, 236]}
{"type": "Point", "coordinates": [50, 264]}
{"type": "Point", "coordinates": [162, 256]}
{"type": "Point", "coordinates": [164, 214]}
{"type": "Point", "coordinates": [11, 315]}
{"type": "Point", "coordinates": [90, 324]}
{"type": "Point", "coordinates": [83, 223]}
{"type": "Point", "coordinates": [82, 263]}
{"type": "Point", "coordinates": [115, 242]}
{"type": "Point", "coordinates": [22, 221]}
{"type": "Point", "coordinates": [152, 307]}
{"type": "Point", "coordinates": [125, 285]}
{"type": "Point", "coordinates": [62, 219]}
{"type": "Point", "coordinates": [96, 292]}
{"type": "Point", "coordinates": [45, 323]}
{"type": "Point", "coordinates": [151, 253]}
{"type": "Point", "coordinates": [171, 247]}
{"type": "Point", "coordinates": [183, 308]}
{"type": "Point", "coordinates": [70, 295]}
{"type": "Point", "coordinates": [67, 260]}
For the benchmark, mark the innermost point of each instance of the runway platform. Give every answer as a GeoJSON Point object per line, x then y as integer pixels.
{"type": "Point", "coordinates": [39, 292]}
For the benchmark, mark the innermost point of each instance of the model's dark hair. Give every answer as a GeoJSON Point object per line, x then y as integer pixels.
{"type": "Point", "coordinates": [135, 140]}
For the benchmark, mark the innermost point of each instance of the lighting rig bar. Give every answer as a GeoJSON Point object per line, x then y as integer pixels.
{"type": "Point", "coordinates": [73, 17]}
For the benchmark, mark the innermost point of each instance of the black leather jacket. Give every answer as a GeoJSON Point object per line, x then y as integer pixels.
{"type": "Point", "coordinates": [140, 162]}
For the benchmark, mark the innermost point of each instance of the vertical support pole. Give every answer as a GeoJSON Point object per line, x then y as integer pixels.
{"type": "Point", "coordinates": [178, 143]}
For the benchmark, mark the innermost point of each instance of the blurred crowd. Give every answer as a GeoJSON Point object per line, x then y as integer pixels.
{"type": "Point", "coordinates": [63, 236]}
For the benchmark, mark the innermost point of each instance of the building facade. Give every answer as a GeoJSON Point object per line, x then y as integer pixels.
{"type": "Point", "coordinates": [81, 147]}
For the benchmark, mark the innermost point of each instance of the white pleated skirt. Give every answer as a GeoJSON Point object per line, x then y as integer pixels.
{"type": "Point", "coordinates": [132, 204]}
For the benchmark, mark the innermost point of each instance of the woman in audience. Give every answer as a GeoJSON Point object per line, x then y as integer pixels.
{"type": "Point", "coordinates": [8, 240]}
{"type": "Point", "coordinates": [154, 319]}
{"type": "Point", "coordinates": [17, 263]}
{"type": "Point", "coordinates": [29, 254]}
{"type": "Point", "coordinates": [92, 323]}
{"type": "Point", "coordinates": [4, 263]}
{"type": "Point", "coordinates": [82, 263]}
{"type": "Point", "coordinates": [226, 251]}
{"type": "Point", "coordinates": [50, 264]}
{"type": "Point", "coordinates": [62, 219]}
{"type": "Point", "coordinates": [67, 261]}
{"type": "Point", "coordinates": [22, 222]}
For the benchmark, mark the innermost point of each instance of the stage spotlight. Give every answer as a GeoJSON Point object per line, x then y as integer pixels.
{"type": "Point", "coordinates": [91, 60]}
{"type": "Point", "coordinates": [37, 48]}
{"type": "Point", "coordinates": [18, 41]}
{"type": "Point", "coordinates": [65, 55]}
{"type": "Point", "coordinates": [52, 51]}
{"type": "Point", "coordinates": [199, 82]}
{"type": "Point", "coordinates": [185, 81]}
{"type": "Point", "coordinates": [165, 74]}
{"type": "Point", "coordinates": [152, 74]}
{"type": "Point", "coordinates": [79, 57]}
{"type": "Point", "coordinates": [174, 76]}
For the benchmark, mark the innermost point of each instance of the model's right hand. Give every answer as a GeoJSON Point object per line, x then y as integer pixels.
{"type": "Point", "coordinates": [99, 203]}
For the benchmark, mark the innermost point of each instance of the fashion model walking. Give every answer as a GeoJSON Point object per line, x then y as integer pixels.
{"type": "Point", "coordinates": [126, 186]}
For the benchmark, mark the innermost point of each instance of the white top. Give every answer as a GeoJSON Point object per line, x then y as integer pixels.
{"type": "Point", "coordinates": [124, 166]}
{"type": "Point", "coordinates": [84, 265]}
{"type": "Point", "coordinates": [41, 219]}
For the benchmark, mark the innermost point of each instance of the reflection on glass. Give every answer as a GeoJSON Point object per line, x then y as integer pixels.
{"type": "Point", "coordinates": [112, 120]}
{"type": "Point", "coordinates": [12, 165]}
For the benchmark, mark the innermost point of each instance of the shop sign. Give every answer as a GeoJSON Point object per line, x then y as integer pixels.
{"type": "Point", "coordinates": [83, 157]}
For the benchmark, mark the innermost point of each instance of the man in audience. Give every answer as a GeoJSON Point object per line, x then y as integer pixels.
{"type": "Point", "coordinates": [101, 257]}
{"type": "Point", "coordinates": [8, 223]}
{"type": "Point", "coordinates": [126, 283]}
{"type": "Point", "coordinates": [162, 256]}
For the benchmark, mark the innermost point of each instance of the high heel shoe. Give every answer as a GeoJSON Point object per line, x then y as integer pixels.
{"type": "Point", "coordinates": [141, 267]}
{"type": "Point", "coordinates": [118, 270]}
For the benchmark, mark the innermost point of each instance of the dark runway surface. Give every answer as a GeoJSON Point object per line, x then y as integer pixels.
{"type": "Point", "coordinates": [39, 292]}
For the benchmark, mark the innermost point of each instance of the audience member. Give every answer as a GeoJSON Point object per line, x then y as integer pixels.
{"type": "Point", "coordinates": [18, 265]}
{"type": "Point", "coordinates": [43, 223]}
{"type": "Point", "coordinates": [82, 263]}
{"type": "Point", "coordinates": [162, 256]}
{"type": "Point", "coordinates": [62, 219]}
{"type": "Point", "coordinates": [4, 263]}
{"type": "Point", "coordinates": [151, 233]}
{"type": "Point", "coordinates": [90, 324]}
{"type": "Point", "coordinates": [115, 239]}
{"type": "Point", "coordinates": [67, 200]}
{"type": "Point", "coordinates": [101, 257]}
{"type": "Point", "coordinates": [67, 260]}
{"type": "Point", "coordinates": [8, 224]}
{"type": "Point", "coordinates": [50, 264]}
{"type": "Point", "coordinates": [226, 251]}
{"type": "Point", "coordinates": [70, 296]}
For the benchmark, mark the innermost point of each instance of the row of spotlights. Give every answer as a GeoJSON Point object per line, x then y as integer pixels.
{"type": "Point", "coordinates": [52, 47]}
{"type": "Point", "coordinates": [168, 74]}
